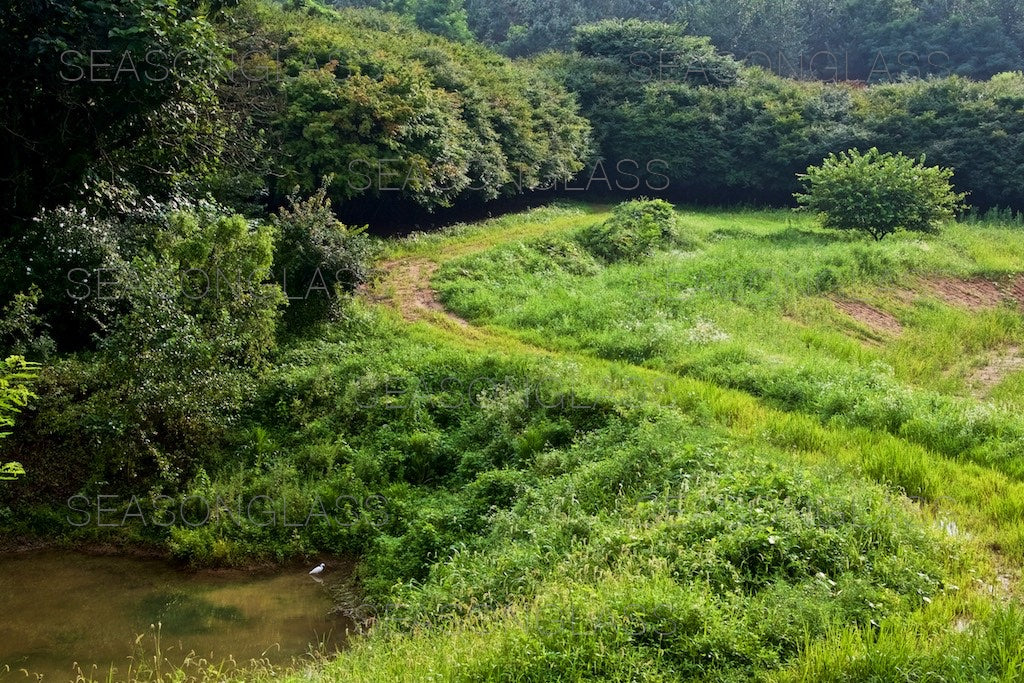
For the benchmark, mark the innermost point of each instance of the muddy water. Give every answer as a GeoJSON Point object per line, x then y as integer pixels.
{"type": "Point", "coordinates": [58, 608]}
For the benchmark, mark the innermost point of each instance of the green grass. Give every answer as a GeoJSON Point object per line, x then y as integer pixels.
{"type": "Point", "coordinates": [687, 467]}
{"type": "Point", "coordinates": [744, 304]}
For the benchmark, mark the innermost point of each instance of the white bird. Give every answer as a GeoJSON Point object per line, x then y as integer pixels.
{"type": "Point", "coordinates": [318, 569]}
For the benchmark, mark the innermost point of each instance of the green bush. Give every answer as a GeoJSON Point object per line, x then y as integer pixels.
{"type": "Point", "coordinates": [635, 229]}
{"type": "Point", "coordinates": [192, 322]}
{"type": "Point", "coordinates": [318, 257]}
{"type": "Point", "coordinates": [879, 193]}
{"type": "Point", "coordinates": [415, 116]}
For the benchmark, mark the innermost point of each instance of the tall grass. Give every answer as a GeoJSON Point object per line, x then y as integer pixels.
{"type": "Point", "coordinates": [691, 467]}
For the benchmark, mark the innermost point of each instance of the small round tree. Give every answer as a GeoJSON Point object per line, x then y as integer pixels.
{"type": "Point", "coordinates": [879, 193]}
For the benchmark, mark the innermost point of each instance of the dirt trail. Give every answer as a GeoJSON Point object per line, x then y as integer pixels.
{"type": "Point", "coordinates": [405, 283]}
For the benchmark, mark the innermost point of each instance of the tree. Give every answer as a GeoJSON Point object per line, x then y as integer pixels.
{"type": "Point", "coordinates": [656, 51]}
{"type": "Point", "coordinates": [104, 94]}
{"type": "Point", "coordinates": [879, 193]}
{"type": "Point", "coordinates": [416, 117]}
{"type": "Point", "coordinates": [444, 17]}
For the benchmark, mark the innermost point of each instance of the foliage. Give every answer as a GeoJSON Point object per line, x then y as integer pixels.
{"type": "Point", "coordinates": [66, 261]}
{"type": "Point", "coordinates": [878, 41]}
{"type": "Point", "coordinates": [655, 49]}
{"type": "Point", "coordinates": [417, 117]}
{"type": "Point", "coordinates": [879, 193]}
{"type": "Point", "coordinates": [23, 332]}
{"type": "Point", "coordinates": [635, 229]}
{"type": "Point", "coordinates": [15, 376]}
{"type": "Point", "coordinates": [323, 258]}
{"type": "Point", "coordinates": [521, 27]}
{"type": "Point", "coordinates": [199, 319]}
{"type": "Point", "coordinates": [747, 142]}
{"type": "Point", "coordinates": [194, 321]}
{"type": "Point", "coordinates": [968, 126]}
{"type": "Point", "coordinates": [104, 96]}
{"type": "Point", "coordinates": [446, 18]}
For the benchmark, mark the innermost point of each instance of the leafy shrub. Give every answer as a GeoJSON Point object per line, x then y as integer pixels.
{"type": "Point", "coordinates": [318, 255]}
{"type": "Point", "coordinates": [879, 193]}
{"type": "Point", "coordinates": [200, 320]}
{"type": "Point", "coordinates": [635, 229]}
{"type": "Point", "coordinates": [193, 321]}
{"type": "Point", "coordinates": [15, 375]}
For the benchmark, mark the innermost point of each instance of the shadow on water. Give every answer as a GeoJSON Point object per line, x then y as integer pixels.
{"type": "Point", "coordinates": [58, 608]}
{"type": "Point", "coordinates": [182, 613]}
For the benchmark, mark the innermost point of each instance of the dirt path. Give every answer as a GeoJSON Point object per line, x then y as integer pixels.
{"type": "Point", "coordinates": [405, 284]}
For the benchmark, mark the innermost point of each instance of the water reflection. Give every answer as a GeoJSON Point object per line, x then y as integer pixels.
{"type": "Point", "coordinates": [58, 608]}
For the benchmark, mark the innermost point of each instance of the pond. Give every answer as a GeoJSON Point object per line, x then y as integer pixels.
{"type": "Point", "coordinates": [60, 608]}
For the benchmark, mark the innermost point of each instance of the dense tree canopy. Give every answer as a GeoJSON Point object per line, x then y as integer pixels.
{"type": "Point", "coordinates": [857, 39]}
{"type": "Point", "coordinates": [385, 108]}
{"type": "Point", "coordinates": [105, 96]}
{"type": "Point", "coordinates": [747, 140]}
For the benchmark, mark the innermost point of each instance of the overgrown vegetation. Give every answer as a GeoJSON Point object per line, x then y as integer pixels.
{"type": "Point", "coordinates": [581, 442]}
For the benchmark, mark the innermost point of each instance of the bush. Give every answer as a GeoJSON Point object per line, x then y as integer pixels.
{"type": "Point", "coordinates": [635, 229]}
{"type": "Point", "coordinates": [879, 193]}
{"type": "Point", "coordinates": [193, 321]}
{"type": "Point", "coordinates": [318, 257]}
{"type": "Point", "coordinates": [201, 320]}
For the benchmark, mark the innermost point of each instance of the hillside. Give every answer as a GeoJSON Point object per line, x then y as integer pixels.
{"type": "Point", "coordinates": [701, 370]}
{"type": "Point", "coordinates": [740, 456]}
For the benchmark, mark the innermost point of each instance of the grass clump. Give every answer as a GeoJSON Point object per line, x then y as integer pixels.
{"type": "Point", "coordinates": [635, 229]}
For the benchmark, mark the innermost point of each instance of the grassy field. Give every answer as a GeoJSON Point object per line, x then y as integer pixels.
{"type": "Point", "coordinates": [765, 452]}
